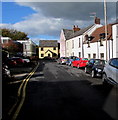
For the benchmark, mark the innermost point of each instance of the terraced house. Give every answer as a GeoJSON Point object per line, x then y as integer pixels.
{"type": "Point", "coordinates": [90, 42]}
{"type": "Point", "coordinates": [48, 48]}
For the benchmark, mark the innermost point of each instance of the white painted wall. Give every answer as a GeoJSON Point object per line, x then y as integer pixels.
{"type": "Point", "coordinates": [115, 40]}
{"type": "Point", "coordinates": [62, 45]}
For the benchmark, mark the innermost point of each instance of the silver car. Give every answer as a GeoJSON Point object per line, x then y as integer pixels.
{"type": "Point", "coordinates": [110, 72]}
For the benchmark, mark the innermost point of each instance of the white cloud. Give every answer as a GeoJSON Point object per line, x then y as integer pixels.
{"type": "Point", "coordinates": [50, 18]}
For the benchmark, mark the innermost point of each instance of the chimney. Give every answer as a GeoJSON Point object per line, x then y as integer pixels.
{"type": "Point", "coordinates": [76, 28]}
{"type": "Point", "coordinates": [97, 20]}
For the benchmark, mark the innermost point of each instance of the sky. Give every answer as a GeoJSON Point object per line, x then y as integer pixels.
{"type": "Point", "coordinates": [45, 20]}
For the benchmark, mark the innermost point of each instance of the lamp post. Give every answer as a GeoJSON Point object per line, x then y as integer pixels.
{"type": "Point", "coordinates": [105, 16]}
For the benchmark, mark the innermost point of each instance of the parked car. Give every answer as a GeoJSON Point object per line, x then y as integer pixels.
{"type": "Point", "coordinates": [5, 71]}
{"type": "Point", "coordinates": [15, 61]}
{"type": "Point", "coordinates": [79, 62]}
{"type": "Point", "coordinates": [11, 62]}
{"type": "Point", "coordinates": [95, 67]}
{"type": "Point", "coordinates": [110, 72]}
{"type": "Point", "coordinates": [70, 59]}
{"type": "Point", "coordinates": [26, 60]}
{"type": "Point", "coordinates": [62, 60]}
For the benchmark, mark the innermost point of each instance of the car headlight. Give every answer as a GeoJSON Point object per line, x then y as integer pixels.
{"type": "Point", "coordinates": [99, 70]}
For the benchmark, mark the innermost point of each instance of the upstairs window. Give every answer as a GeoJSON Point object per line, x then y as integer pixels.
{"type": "Point", "coordinates": [79, 43]}
{"type": "Point", "coordinates": [41, 49]}
{"type": "Point", "coordinates": [72, 43]}
{"type": "Point", "coordinates": [117, 30]}
{"type": "Point", "coordinates": [54, 48]}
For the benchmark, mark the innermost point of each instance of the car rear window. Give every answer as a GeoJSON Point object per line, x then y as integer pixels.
{"type": "Point", "coordinates": [84, 59]}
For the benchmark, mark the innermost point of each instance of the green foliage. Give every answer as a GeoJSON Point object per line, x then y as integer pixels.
{"type": "Point", "coordinates": [13, 47]}
{"type": "Point", "coordinates": [14, 34]}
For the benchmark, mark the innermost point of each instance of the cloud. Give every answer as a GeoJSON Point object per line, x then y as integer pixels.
{"type": "Point", "coordinates": [50, 18]}
{"type": "Point", "coordinates": [72, 10]}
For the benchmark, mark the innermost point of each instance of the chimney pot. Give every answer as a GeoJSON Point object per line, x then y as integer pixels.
{"type": "Point", "coordinates": [97, 20]}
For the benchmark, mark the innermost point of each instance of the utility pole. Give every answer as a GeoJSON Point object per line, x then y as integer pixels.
{"type": "Point", "coordinates": [105, 17]}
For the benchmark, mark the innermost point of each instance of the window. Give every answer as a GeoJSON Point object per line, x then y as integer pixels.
{"type": "Point", "coordinates": [72, 43]}
{"type": "Point", "coordinates": [94, 55]}
{"type": "Point", "coordinates": [117, 30]}
{"type": "Point", "coordinates": [41, 49]}
{"type": "Point", "coordinates": [79, 54]}
{"type": "Point", "coordinates": [86, 37]}
{"type": "Point", "coordinates": [102, 55]}
{"type": "Point", "coordinates": [114, 63]}
{"type": "Point", "coordinates": [72, 53]}
{"type": "Point", "coordinates": [79, 43]}
{"type": "Point", "coordinates": [91, 61]}
{"type": "Point", "coordinates": [28, 47]}
{"type": "Point", "coordinates": [89, 56]}
{"type": "Point", "coordinates": [54, 48]}
{"type": "Point", "coordinates": [101, 42]}
{"type": "Point", "coordinates": [88, 43]}
{"type": "Point", "coordinates": [42, 55]}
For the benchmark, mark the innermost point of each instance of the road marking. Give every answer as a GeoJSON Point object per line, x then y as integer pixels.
{"type": "Point", "coordinates": [24, 82]}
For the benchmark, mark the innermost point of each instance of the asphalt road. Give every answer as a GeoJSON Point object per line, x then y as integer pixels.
{"type": "Point", "coordinates": [57, 92]}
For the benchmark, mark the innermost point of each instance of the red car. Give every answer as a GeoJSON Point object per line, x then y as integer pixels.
{"type": "Point", "coordinates": [80, 62]}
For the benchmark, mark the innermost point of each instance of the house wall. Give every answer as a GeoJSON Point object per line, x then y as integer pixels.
{"type": "Point", "coordinates": [62, 45]}
{"type": "Point", "coordinates": [76, 50]}
{"type": "Point", "coordinates": [29, 48]}
{"type": "Point", "coordinates": [45, 51]}
{"type": "Point", "coordinates": [95, 48]}
{"type": "Point", "coordinates": [115, 39]}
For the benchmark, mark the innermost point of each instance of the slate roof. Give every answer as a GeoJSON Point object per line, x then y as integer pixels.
{"type": "Point", "coordinates": [101, 30]}
{"type": "Point", "coordinates": [48, 43]}
{"type": "Point", "coordinates": [71, 34]}
{"type": "Point", "coordinates": [67, 33]}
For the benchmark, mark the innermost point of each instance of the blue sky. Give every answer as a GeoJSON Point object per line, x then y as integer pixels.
{"type": "Point", "coordinates": [46, 20]}
{"type": "Point", "coordinates": [12, 12]}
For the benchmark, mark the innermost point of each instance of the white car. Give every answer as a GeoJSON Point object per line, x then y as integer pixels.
{"type": "Point", "coordinates": [110, 72]}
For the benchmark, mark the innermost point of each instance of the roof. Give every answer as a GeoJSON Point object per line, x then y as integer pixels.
{"type": "Point", "coordinates": [98, 31]}
{"type": "Point", "coordinates": [48, 43]}
{"type": "Point", "coordinates": [67, 33]}
{"type": "Point", "coordinates": [71, 34]}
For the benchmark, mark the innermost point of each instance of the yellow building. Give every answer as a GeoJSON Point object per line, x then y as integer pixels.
{"type": "Point", "coordinates": [48, 48]}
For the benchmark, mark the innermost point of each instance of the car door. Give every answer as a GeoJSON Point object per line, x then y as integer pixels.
{"type": "Point", "coordinates": [76, 61]}
{"type": "Point", "coordinates": [90, 65]}
{"type": "Point", "coordinates": [113, 73]}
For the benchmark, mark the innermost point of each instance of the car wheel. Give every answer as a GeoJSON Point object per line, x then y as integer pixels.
{"type": "Point", "coordinates": [93, 74]}
{"type": "Point", "coordinates": [78, 66]}
{"type": "Point", "coordinates": [85, 70]}
{"type": "Point", "coordinates": [104, 78]}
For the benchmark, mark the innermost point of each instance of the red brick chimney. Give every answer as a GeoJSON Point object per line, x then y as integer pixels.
{"type": "Point", "coordinates": [76, 28]}
{"type": "Point", "coordinates": [97, 20]}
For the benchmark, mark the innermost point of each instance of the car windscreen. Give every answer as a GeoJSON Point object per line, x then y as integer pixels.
{"type": "Point", "coordinates": [99, 62]}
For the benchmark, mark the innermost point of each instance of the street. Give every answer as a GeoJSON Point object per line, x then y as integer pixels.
{"type": "Point", "coordinates": [56, 92]}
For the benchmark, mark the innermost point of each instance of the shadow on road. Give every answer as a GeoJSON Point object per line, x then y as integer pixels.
{"type": "Point", "coordinates": [58, 100]}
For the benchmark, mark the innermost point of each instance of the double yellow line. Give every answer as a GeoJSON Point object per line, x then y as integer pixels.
{"type": "Point", "coordinates": [22, 89]}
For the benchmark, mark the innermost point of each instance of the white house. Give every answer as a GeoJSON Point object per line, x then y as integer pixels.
{"type": "Point", "coordinates": [74, 43]}
{"type": "Point", "coordinates": [115, 39]}
{"type": "Point", "coordinates": [90, 42]}
{"type": "Point", "coordinates": [4, 39]}
{"type": "Point", "coordinates": [96, 47]}
{"type": "Point", "coordinates": [29, 47]}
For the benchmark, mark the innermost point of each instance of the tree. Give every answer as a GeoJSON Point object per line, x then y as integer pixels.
{"type": "Point", "coordinates": [14, 34]}
{"type": "Point", "coordinates": [13, 47]}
